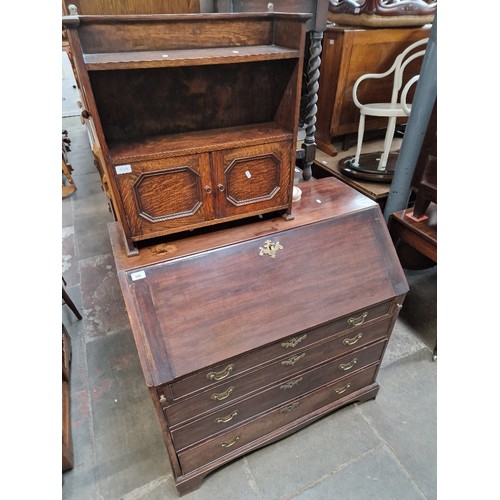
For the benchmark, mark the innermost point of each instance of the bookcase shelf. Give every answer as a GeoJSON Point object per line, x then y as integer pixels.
{"type": "Point", "coordinates": [190, 57]}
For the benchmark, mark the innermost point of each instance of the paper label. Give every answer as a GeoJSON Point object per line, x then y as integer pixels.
{"type": "Point", "coordinates": [123, 169]}
{"type": "Point", "coordinates": [138, 275]}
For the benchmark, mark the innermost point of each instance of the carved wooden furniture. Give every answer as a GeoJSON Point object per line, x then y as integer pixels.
{"type": "Point", "coordinates": [347, 54]}
{"type": "Point", "coordinates": [236, 350]}
{"type": "Point", "coordinates": [381, 13]}
{"type": "Point", "coordinates": [315, 26]}
{"type": "Point", "coordinates": [195, 116]}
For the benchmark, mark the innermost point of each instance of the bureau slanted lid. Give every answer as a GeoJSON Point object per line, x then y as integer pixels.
{"type": "Point", "coordinates": [210, 297]}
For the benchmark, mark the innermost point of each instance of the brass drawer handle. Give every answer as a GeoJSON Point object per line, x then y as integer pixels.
{"type": "Point", "coordinates": [353, 340]}
{"type": "Point", "coordinates": [228, 444]}
{"type": "Point", "coordinates": [342, 389]}
{"type": "Point", "coordinates": [220, 375]}
{"type": "Point", "coordinates": [357, 321]}
{"type": "Point", "coordinates": [223, 395]}
{"type": "Point", "coordinates": [294, 342]}
{"type": "Point", "coordinates": [227, 418]}
{"type": "Point", "coordinates": [291, 383]}
{"type": "Point", "coordinates": [348, 366]}
{"type": "Point", "coordinates": [291, 361]}
{"type": "Point", "coordinates": [290, 407]}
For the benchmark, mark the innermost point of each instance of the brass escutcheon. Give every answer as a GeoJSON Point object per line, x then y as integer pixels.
{"type": "Point", "coordinates": [220, 375]}
{"type": "Point", "coordinates": [294, 342]}
{"type": "Point", "coordinates": [353, 340]}
{"type": "Point", "coordinates": [357, 321]}
{"type": "Point", "coordinates": [291, 361]}
{"type": "Point", "coordinates": [291, 383]}
{"type": "Point", "coordinates": [223, 395]}
{"type": "Point", "coordinates": [227, 444]}
{"type": "Point", "coordinates": [348, 366]}
{"type": "Point", "coordinates": [270, 248]}
{"type": "Point", "coordinates": [227, 418]}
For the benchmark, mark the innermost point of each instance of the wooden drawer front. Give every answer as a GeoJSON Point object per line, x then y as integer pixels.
{"type": "Point", "coordinates": [214, 448]}
{"type": "Point", "coordinates": [291, 374]}
{"type": "Point", "coordinates": [165, 194]}
{"type": "Point", "coordinates": [287, 389]}
{"type": "Point", "coordinates": [253, 178]}
{"type": "Point", "coordinates": [227, 371]}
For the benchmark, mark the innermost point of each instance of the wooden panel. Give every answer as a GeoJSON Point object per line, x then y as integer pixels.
{"type": "Point", "coordinates": [169, 33]}
{"type": "Point", "coordinates": [203, 100]}
{"type": "Point", "coordinates": [257, 175]}
{"type": "Point", "coordinates": [100, 7]}
{"type": "Point", "coordinates": [143, 190]}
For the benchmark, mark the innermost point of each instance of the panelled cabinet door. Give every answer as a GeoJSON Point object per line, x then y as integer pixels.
{"type": "Point", "coordinates": [252, 178]}
{"type": "Point", "coordinates": [162, 195]}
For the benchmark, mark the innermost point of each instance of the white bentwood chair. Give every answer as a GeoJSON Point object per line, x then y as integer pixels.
{"type": "Point", "coordinates": [394, 109]}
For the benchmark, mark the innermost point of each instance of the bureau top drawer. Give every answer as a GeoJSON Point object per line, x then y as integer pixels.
{"type": "Point", "coordinates": [354, 331]}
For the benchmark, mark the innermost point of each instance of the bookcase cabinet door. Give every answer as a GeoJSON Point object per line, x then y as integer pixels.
{"type": "Point", "coordinates": [161, 196]}
{"type": "Point", "coordinates": [253, 178]}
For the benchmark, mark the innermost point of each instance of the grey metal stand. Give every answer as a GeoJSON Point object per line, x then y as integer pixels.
{"type": "Point", "coordinates": [423, 103]}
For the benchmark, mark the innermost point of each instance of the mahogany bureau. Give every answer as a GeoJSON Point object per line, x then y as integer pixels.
{"type": "Point", "coordinates": [247, 334]}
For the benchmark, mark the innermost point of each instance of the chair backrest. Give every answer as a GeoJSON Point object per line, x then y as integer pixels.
{"type": "Point", "coordinates": [406, 57]}
{"type": "Point", "coordinates": [398, 67]}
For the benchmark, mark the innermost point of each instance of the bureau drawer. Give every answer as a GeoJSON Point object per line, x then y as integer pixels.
{"type": "Point", "coordinates": [280, 393]}
{"type": "Point", "coordinates": [229, 441]}
{"type": "Point", "coordinates": [224, 372]}
{"type": "Point", "coordinates": [294, 379]}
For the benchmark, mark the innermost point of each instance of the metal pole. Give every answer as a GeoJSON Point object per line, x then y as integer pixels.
{"type": "Point", "coordinates": [421, 110]}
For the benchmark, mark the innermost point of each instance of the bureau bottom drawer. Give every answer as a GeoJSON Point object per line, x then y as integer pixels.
{"type": "Point", "coordinates": [197, 456]}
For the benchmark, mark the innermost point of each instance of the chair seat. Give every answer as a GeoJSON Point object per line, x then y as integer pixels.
{"type": "Point", "coordinates": [386, 109]}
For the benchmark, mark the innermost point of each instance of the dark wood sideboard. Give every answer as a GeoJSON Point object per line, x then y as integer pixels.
{"type": "Point", "coordinates": [250, 333]}
{"type": "Point", "coordinates": [348, 53]}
